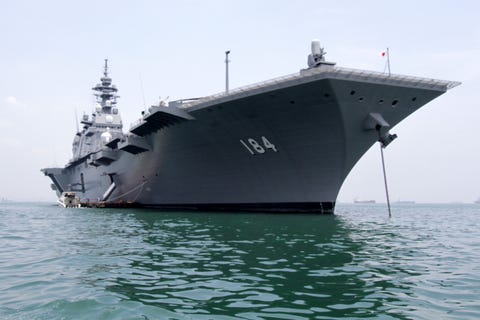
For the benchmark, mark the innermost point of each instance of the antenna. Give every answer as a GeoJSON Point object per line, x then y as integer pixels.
{"type": "Point", "coordinates": [141, 88]}
{"type": "Point", "coordinates": [105, 72]}
{"type": "Point", "coordinates": [54, 155]}
{"type": "Point", "coordinates": [226, 70]}
{"type": "Point", "coordinates": [76, 121]}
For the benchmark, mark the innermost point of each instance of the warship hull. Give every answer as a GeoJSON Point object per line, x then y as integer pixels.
{"type": "Point", "coordinates": [281, 146]}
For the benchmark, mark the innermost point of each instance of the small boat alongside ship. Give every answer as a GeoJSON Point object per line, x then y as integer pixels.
{"type": "Point", "coordinates": [69, 199]}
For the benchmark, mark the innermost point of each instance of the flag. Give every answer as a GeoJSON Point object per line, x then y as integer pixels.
{"type": "Point", "coordinates": [383, 53]}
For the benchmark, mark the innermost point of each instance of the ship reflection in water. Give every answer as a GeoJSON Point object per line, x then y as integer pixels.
{"type": "Point", "coordinates": [251, 266]}
{"type": "Point", "coordinates": [58, 263]}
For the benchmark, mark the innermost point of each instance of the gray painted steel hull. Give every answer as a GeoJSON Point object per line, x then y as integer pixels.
{"type": "Point", "coordinates": [317, 126]}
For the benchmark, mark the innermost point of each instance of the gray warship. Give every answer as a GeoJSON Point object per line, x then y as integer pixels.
{"type": "Point", "coordinates": [283, 145]}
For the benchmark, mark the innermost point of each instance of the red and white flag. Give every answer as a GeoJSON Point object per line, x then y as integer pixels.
{"type": "Point", "coordinates": [383, 53]}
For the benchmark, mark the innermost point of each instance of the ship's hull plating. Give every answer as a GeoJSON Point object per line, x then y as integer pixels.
{"type": "Point", "coordinates": [287, 149]}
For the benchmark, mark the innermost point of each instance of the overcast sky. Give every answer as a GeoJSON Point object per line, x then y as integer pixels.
{"type": "Point", "coordinates": [52, 55]}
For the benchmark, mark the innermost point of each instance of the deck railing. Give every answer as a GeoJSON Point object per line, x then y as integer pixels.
{"type": "Point", "coordinates": [333, 72]}
{"type": "Point", "coordinates": [320, 73]}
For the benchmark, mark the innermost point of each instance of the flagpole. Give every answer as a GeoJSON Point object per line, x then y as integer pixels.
{"type": "Point", "coordinates": [388, 61]}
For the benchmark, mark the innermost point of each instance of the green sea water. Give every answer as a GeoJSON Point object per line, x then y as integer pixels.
{"type": "Point", "coordinates": [423, 263]}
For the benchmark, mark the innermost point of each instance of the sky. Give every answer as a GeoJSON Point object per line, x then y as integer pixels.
{"type": "Point", "coordinates": [52, 54]}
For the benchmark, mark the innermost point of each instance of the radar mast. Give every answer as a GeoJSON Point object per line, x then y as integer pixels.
{"type": "Point", "coordinates": [106, 92]}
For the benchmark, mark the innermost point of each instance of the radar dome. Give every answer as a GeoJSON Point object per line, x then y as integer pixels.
{"type": "Point", "coordinates": [316, 49]}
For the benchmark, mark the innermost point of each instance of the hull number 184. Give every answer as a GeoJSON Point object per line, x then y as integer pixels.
{"type": "Point", "coordinates": [258, 147]}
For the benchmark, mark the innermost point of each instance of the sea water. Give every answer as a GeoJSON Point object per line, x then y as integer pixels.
{"type": "Point", "coordinates": [423, 263]}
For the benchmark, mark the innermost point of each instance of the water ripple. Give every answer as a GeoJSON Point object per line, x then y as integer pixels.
{"type": "Point", "coordinates": [108, 264]}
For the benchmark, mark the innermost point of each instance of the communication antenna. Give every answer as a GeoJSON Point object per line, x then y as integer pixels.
{"type": "Point", "coordinates": [105, 71]}
{"type": "Point", "coordinates": [141, 88]}
{"type": "Point", "coordinates": [54, 153]}
{"type": "Point", "coordinates": [76, 120]}
{"type": "Point", "coordinates": [226, 70]}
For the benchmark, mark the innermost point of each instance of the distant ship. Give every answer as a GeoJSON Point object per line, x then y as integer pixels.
{"type": "Point", "coordinates": [283, 145]}
{"type": "Point", "coordinates": [364, 201]}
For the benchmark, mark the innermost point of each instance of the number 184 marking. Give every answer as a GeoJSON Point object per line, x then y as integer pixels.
{"type": "Point", "coordinates": [255, 148]}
